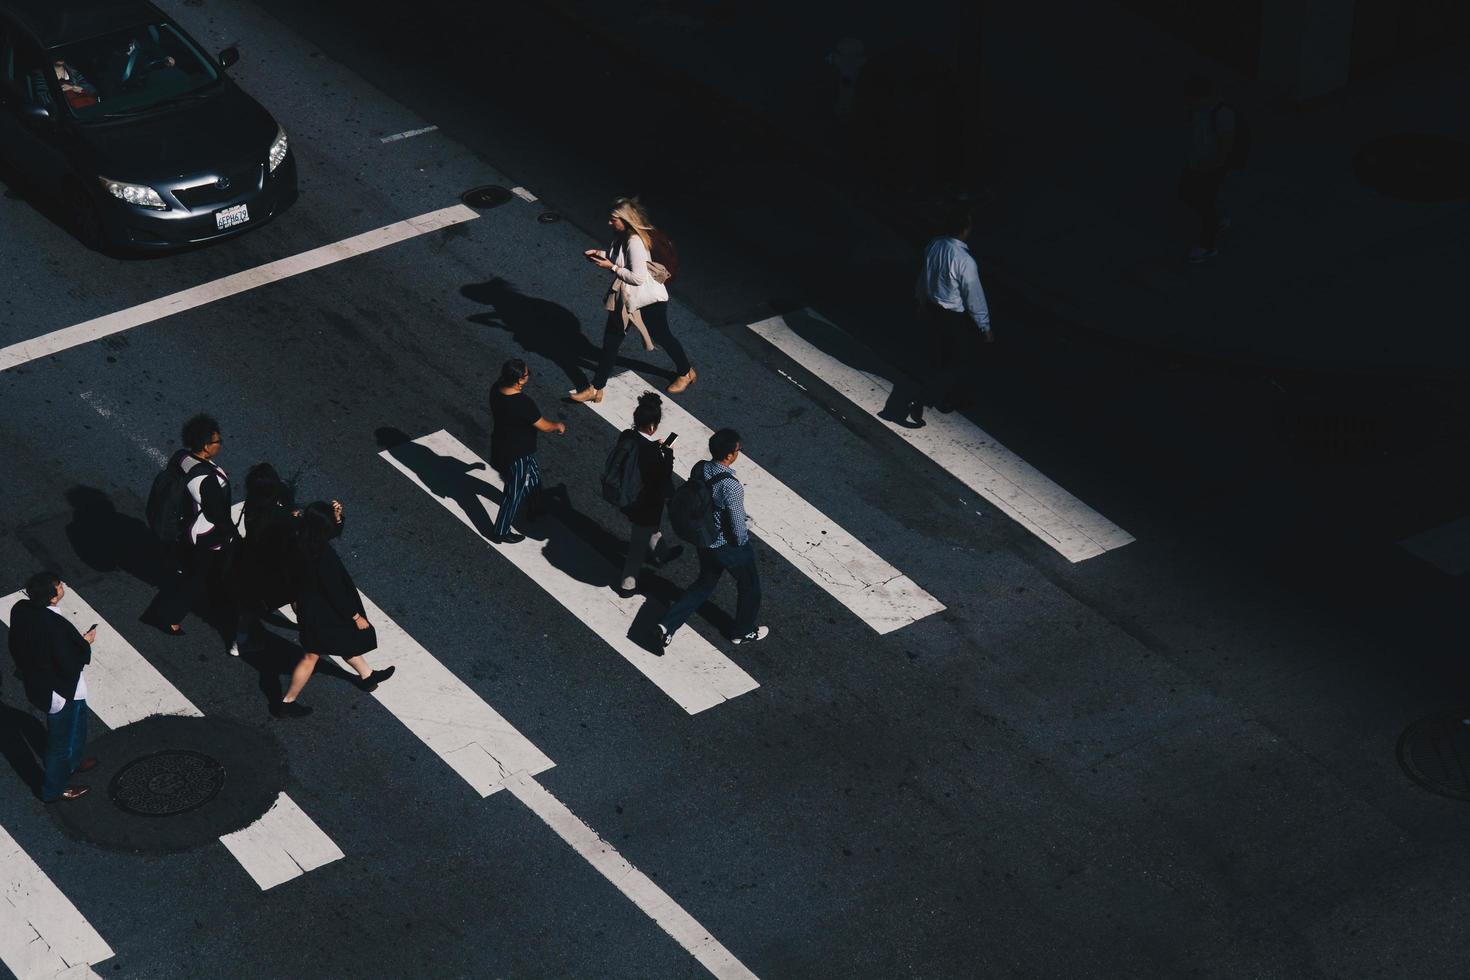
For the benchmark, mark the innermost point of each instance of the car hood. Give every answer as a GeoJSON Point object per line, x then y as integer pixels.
{"type": "Point", "coordinates": [222, 132]}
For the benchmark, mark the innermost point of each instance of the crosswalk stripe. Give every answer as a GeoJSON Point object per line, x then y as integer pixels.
{"type": "Point", "coordinates": [195, 296]}
{"type": "Point", "coordinates": [691, 671]}
{"type": "Point", "coordinates": [42, 934]}
{"type": "Point", "coordinates": [123, 687]}
{"type": "Point", "coordinates": [876, 592]}
{"type": "Point", "coordinates": [283, 844]}
{"type": "Point", "coordinates": [1016, 488]}
{"type": "Point", "coordinates": [637, 886]}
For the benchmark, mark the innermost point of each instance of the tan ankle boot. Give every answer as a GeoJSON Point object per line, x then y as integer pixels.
{"type": "Point", "coordinates": [682, 381]}
{"type": "Point", "coordinates": [587, 394]}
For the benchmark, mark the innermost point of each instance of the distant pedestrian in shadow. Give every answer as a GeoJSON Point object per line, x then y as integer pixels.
{"type": "Point", "coordinates": [640, 474]}
{"type": "Point", "coordinates": [517, 420]}
{"type": "Point", "coordinates": [260, 576]}
{"type": "Point", "coordinates": [1216, 144]}
{"type": "Point", "coordinates": [636, 298]}
{"type": "Point", "coordinates": [328, 609]}
{"type": "Point", "coordinates": [952, 312]}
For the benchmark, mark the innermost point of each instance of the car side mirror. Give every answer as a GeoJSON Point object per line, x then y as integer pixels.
{"type": "Point", "coordinates": [229, 56]}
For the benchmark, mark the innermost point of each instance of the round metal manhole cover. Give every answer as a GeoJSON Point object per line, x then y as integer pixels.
{"type": "Point", "coordinates": [1435, 752]}
{"type": "Point", "coordinates": [167, 783]}
{"type": "Point", "coordinates": [489, 196]}
{"type": "Point", "coordinates": [1415, 167]}
{"type": "Point", "coordinates": [548, 217]}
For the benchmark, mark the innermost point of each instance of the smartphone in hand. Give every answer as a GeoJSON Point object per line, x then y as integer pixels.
{"type": "Point", "coordinates": [670, 440]}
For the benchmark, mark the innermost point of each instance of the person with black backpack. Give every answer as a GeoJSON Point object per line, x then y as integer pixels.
{"type": "Point", "coordinates": [642, 260]}
{"type": "Point", "coordinates": [189, 510]}
{"type": "Point", "coordinates": [1219, 141]}
{"type": "Point", "coordinates": [638, 479]}
{"type": "Point", "coordinates": [709, 512]}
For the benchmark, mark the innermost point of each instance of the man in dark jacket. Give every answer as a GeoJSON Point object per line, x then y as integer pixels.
{"type": "Point", "coordinates": [52, 658]}
{"type": "Point", "coordinates": [209, 531]}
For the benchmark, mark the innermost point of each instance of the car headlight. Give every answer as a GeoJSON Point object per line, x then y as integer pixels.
{"type": "Point", "coordinates": [140, 195]}
{"type": "Point", "coordinates": [278, 149]}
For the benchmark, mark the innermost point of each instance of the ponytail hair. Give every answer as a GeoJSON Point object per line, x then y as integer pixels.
{"type": "Point", "coordinates": [650, 411]}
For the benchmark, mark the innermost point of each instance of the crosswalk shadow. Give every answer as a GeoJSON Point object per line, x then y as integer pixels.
{"type": "Point", "coordinates": [107, 540]}
{"type": "Point", "coordinates": [23, 744]}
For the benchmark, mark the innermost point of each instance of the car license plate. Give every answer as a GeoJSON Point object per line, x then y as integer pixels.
{"type": "Point", "coordinates": [230, 217]}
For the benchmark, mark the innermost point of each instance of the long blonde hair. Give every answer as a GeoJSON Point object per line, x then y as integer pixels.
{"type": "Point", "coordinates": [633, 215]}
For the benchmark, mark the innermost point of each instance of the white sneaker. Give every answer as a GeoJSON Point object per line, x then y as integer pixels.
{"type": "Point", "coordinates": [755, 635]}
{"type": "Point", "coordinates": [665, 637]}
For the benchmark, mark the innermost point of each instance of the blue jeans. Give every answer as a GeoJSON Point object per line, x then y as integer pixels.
{"type": "Point", "coordinates": [66, 739]}
{"type": "Point", "coordinates": [739, 561]}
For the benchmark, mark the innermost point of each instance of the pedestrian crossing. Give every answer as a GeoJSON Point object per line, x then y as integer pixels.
{"type": "Point", "coordinates": [1012, 485]}
{"type": "Point", "coordinates": [834, 559]}
{"type": "Point", "coordinates": [123, 687]}
{"type": "Point", "coordinates": [690, 671]}
{"type": "Point", "coordinates": [42, 934]}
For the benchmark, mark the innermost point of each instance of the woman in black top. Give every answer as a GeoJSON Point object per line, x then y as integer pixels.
{"type": "Point", "coordinates": [513, 444]}
{"type": "Point", "coordinates": [656, 472]}
{"type": "Point", "coordinates": [260, 575]}
{"type": "Point", "coordinates": [328, 608]}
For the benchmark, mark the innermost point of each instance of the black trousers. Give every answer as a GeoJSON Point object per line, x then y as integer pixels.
{"type": "Point", "coordinates": [656, 319]}
{"type": "Point", "coordinates": [199, 572]}
{"type": "Point", "coordinates": [1200, 192]}
{"type": "Point", "coordinates": [953, 348]}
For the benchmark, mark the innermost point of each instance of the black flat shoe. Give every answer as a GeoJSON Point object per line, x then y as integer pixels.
{"type": "Point", "coordinates": [511, 538]}
{"type": "Point", "coordinates": [658, 561]}
{"type": "Point", "coordinates": [370, 683]}
{"type": "Point", "coordinates": [289, 709]}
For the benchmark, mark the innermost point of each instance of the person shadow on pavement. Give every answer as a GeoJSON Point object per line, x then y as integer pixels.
{"type": "Point", "coordinates": [571, 542]}
{"type": "Point", "coordinates": [108, 541]}
{"type": "Point", "coordinates": [23, 743]}
{"type": "Point", "coordinates": [542, 327]}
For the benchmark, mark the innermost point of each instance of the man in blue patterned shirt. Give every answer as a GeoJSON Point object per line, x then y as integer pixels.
{"type": "Point", "coordinates": [732, 550]}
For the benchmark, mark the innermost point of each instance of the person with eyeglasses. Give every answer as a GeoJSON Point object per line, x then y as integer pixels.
{"type": "Point", "coordinates": [209, 533]}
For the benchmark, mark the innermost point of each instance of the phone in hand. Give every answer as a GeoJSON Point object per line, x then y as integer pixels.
{"type": "Point", "coordinates": [670, 440]}
{"type": "Point", "coordinates": [90, 628]}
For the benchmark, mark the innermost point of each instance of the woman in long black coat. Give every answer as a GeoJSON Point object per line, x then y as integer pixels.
{"type": "Point", "coordinates": [328, 608]}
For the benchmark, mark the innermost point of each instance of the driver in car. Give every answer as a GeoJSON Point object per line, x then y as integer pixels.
{"type": "Point", "coordinates": [79, 92]}
{"type": "Point", "coordinates": [134, 61]}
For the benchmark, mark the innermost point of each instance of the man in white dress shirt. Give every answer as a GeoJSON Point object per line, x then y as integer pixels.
{"type": "Point", "coordinates": [952, 312]}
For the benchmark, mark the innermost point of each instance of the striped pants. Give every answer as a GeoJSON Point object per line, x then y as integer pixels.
{"type": "Point", "coordinates": [521, 478]}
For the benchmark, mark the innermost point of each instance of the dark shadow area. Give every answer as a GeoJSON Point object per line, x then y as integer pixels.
{"type": "Point", "coordinates": [548, 329]}
{"type": "Point", "coordinates": [107, 540]}
{"type": "Point", "coordinates": [23, 743]}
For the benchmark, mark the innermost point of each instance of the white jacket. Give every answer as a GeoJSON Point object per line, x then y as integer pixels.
{"type": "Point", "coordinates": [630, 264]}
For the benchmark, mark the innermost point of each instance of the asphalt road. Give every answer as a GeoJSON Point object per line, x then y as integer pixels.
{"type": "Point", "coordinates": [1174, 759]}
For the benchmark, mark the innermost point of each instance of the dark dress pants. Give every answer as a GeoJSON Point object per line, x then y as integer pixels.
{"type": "Point", "coordinates": [656, 319]}
{"type": "Point", "coordinates": [952, 343]}
{"type": "Point", "coordinates": [198, 572]}
{"type": "Point", "coordinates": [66, 738]}
{"type": "Point", "coordinates": [739, 561]}
{"type": "Point", "coordinates": [1200, 192]}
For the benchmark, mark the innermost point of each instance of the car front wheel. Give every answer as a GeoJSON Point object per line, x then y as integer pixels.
{"type": "Point", "coordinates": [86, 222]}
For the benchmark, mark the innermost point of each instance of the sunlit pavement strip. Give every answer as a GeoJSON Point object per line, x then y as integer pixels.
{"type": "Point", "coordinates": [524, 194]}
{"type": "Point", "coordinates": [843, 566]}
{"type": "Point", "coordinates": [490, 754]}
{"type": "Point", "coordinates": [123, 687]}
{"type": "Point", "coordinates": [29, 350]}
{"type": "Point", "coordinates": [41, 933]}
{"type": "Point", "coordinates": [691, 671]}
{"type": "Point", "coordinates": [1075, 530]}
{"type": "Point", "coordinates": [408, 135]}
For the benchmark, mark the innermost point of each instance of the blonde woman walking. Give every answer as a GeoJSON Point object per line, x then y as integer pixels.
{"type": "Point", "coordinates": [635, 299]}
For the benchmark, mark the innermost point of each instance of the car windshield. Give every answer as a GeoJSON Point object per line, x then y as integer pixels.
{"type": "Point", "coordinates": [129, 72]}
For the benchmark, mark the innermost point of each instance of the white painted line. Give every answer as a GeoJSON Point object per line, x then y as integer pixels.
{"type": "Point", "coordinates": [281, 845]}
{"type": "Point", "coordinates": [636, 885]}
{"type": "Point", "coordinates": [409, 134]}
{"type": "Point", "coordinates": [691, 671]}
{"type": "Point", "coordinates": [123, 687]}
{"type": "Point", "coordinates": [876, 592]}
{"type": "Point", "coordinates": [1075, 530]}
{"type": "Point", "coordinates": [1446, 547]}
{"type": "Point", "coordinates": [41, 933]}
{"type": "Point", "coordinates": [195, 296]}
{"type": "Point", "coordinates": [524, 194]}
{"type": "Point", "coordinates": [103, 407]}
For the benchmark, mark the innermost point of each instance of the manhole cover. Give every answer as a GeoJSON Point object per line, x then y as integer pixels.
{"type": "Point", "coordinates": [548, 217]}
{"type": "Point", "coordinates": [489, 196]}
{"type": "Point", "coordinates": [1415, 167]}
{"type": "Point", "coordinates": [1435, 752]}
{"type": "Point", "coordinates": [167, 783]}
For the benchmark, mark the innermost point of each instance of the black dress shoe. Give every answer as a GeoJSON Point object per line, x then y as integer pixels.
{"type": "Point", "coordinates": [511, 538]}
{"type": "Point", "coordinates": [289, 709]}
{"type": "Point", "coordinates": [658, 561]}
{"type": "Point", "coordinates": [70, 793]}
{"type": "Point", "coordinates": [370, 683]}
{"type": "Point", "coordinates": [87, 765]}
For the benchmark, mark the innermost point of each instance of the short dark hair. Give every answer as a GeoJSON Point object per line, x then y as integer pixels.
{"type": "Point", "coordinates": [511, 372]}
{"type": "Point", "coordinates": [41, 587]}
{"type": "Point", "coordinates": [650, 410]}
{"type": "Point", "coordinates": [318, 526]}
{"type": "Point", "coordinates": [957, 217]}
{"type": "Point", "coordinates": [198, 431]}
{"type": "Point", "coordinates": [723, 443]}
